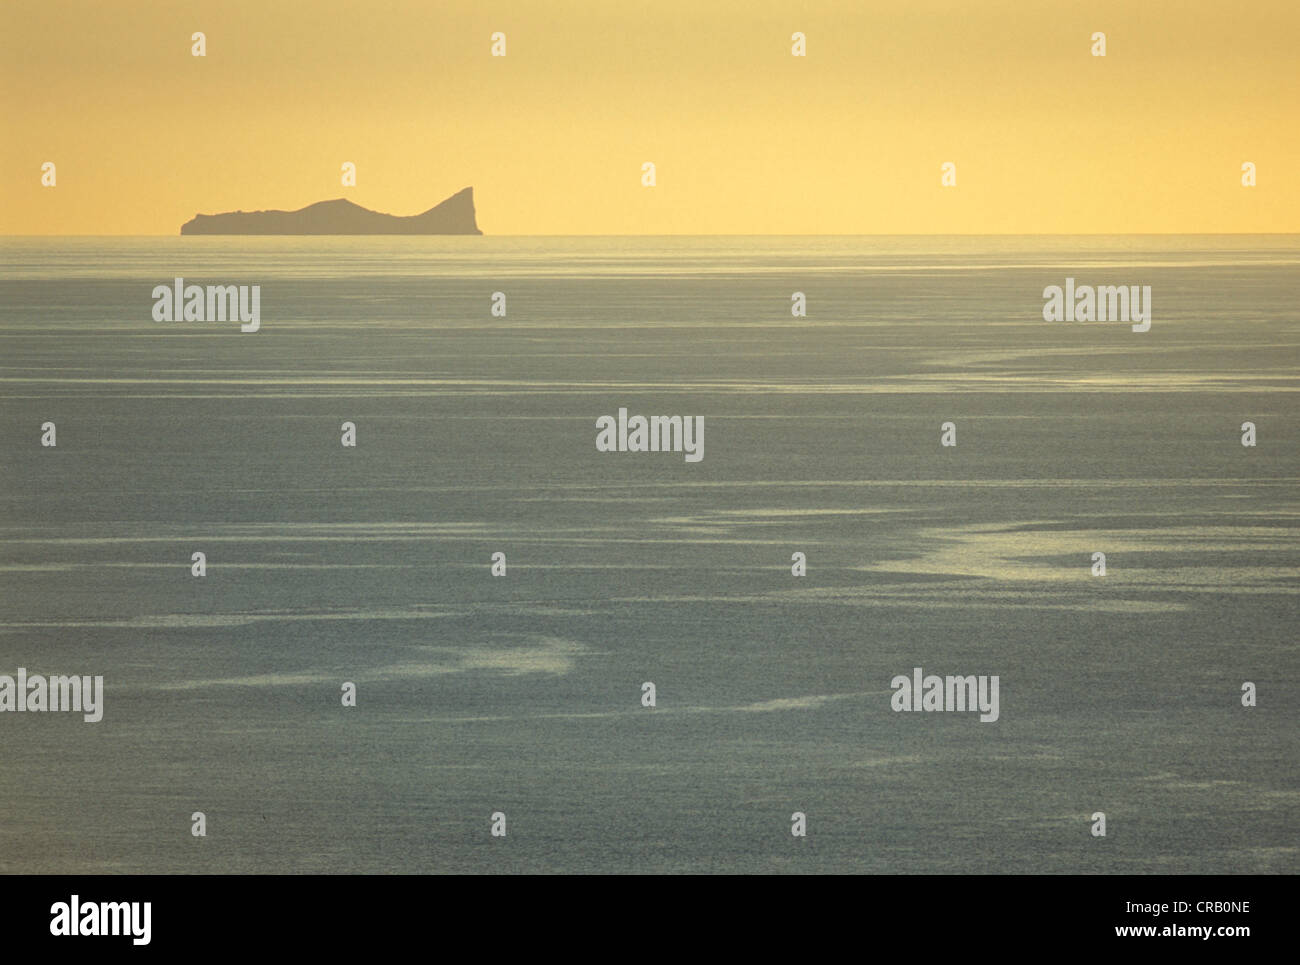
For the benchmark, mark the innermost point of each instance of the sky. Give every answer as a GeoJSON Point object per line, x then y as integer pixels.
{"type": "Point", "coordinates": [745, 138]}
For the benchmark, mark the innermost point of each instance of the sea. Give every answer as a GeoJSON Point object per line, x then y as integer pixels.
{"type": "Point", "coordinates": [501, 720]}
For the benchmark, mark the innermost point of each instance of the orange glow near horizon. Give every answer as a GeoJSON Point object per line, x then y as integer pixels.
{"type": "Point", "coordinates": [746, 138]}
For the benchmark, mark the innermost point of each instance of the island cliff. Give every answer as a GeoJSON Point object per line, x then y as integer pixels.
{"type": "Point", "coordinates": [455, 216]}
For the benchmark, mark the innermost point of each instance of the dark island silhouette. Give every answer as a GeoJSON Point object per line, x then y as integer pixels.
{"type": "Point", "coordinates": [455, 216]}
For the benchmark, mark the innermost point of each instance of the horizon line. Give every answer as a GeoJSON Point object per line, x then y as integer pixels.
{"type": "Point", "coordinates": [804, 234]}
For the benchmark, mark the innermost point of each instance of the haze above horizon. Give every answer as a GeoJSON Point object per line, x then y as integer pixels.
{"type": "Point", "coordinates": [746, 138]}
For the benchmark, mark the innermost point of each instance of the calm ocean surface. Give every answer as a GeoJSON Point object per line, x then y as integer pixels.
{"type": "Point", "coordinates": [522, 694]}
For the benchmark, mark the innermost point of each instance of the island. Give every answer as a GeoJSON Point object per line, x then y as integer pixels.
{"type": "Point", "coordinates": [455, 216]}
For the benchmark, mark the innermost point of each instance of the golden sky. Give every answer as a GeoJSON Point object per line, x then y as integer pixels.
{"type": "Point", "coordinates": [746, 138]}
